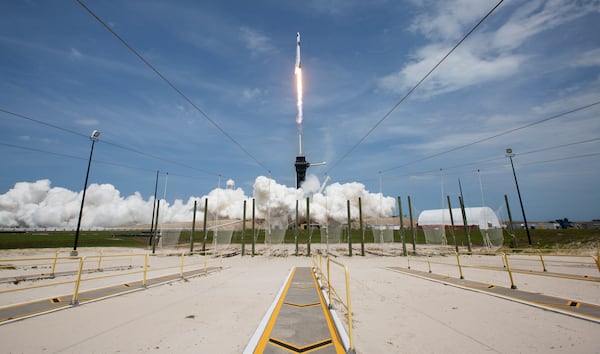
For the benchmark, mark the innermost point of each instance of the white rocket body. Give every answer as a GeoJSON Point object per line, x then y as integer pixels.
{"type": "Point", "coordinates": [298, 64]}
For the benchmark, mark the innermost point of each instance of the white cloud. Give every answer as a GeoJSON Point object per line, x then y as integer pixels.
{"type": "Point", "coordinates": [588, 59]}
{"type": "Point", "coordinates": [75, 54]}
{"type": "Point", "coordinates": [486, 55]}
{"type": "Point", "coordinates": [449, 18]}
{"type": "Point", "coordinates": [250, 93]}
{"type": "Point", "coordinates": [535, 17]}
{"type": "Point", "coordinates": [342, 7]}
{"type": "Point", "coordinates": [88, 122]}
{"type": "Point", "coordinates": [256, 42]}
{"type": "Point", "coordinates": [462, 69]}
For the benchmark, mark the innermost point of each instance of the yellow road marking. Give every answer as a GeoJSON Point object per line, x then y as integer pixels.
{"type": "Point", "coordinates": [262, 343]}
{"type": "Point", "coordinates": [337, 342]}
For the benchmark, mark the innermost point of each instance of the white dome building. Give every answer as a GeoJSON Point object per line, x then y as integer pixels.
{"type": "Point", "coordinates": [435, 222]}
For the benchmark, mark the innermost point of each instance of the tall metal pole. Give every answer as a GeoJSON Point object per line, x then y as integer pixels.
{"type": "Point", "coordinates": [460, 189]}
{"type": "Point", "coordinates": [349, 229]}
{"type": "Point", "coordinates": [154, 204]}
{"type": "Point", "coordinates": [481, 187]}
{"type": "Point", "coordinates": [94, 137]}
{"type": "Point", "coordinates": [204, 231]}
{"type": "Point", "coordinates": [244, 230]}
{"type": "Point", "coordinates": [308, 226]}
{"type": "Point", "coordinates": [155, 238]}
{"type": "Point", "coordinates": [510, 155]}
{"type": "Point", "coordinates": [296, 228]}
{"type": "Point", "coordinates": [253, 226]}
{"type": "Point", "coordinates": [412, 229]}
{"type": "Point", "coordinates": [465, 222]}
{"type": "Point", "coordinates": [362, 228]}
{"type": "Point", "coordinates": [402, 227]}
{"type": "Point", "coordinates": [452, 223]}
{"type": "Point", "coordinates": [193, 227]}
{"type": "Point", "coordinates": [510, 223]}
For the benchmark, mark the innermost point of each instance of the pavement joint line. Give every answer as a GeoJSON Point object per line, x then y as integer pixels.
{"type": "Point", "coordinates": [256, 338]}
{"type": "Point", "coordinates": [65, 301]}
{"type": "Point", "coordinates": [549, 306]}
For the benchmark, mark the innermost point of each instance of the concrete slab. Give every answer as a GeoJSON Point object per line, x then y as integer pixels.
{"type": "Point", "coordinates": [577, 309]}
{"type": "Point", "coordinates": [39, 307]}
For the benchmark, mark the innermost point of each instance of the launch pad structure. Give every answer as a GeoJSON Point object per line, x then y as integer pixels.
{"type": "Point", "coordinates": [300, 164]}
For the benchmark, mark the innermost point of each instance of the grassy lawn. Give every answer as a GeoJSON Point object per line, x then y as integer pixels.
{"type": "Point", "coordinates": [569, 238]}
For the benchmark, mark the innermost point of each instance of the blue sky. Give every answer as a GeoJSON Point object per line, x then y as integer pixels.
{"type": "Point", "coordinates": [529, 61]}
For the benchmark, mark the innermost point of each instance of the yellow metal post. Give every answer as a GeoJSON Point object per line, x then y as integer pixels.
{"type": "Point", "coordinates": [428, 264]}
{"type": "Point", "coordinates": [512, 282]}
{"type": "Point", "coordinates": [321, 265]}
{"type": "Point", "coordinates": [74, 300]}
{"type": "Point", "coordinates": [182, 262]}
{"type": "Point", "coordinates": [349, 309]}
{"type": "Point", "coordinates": [348, 302]}
{"type": "Point", "coordinates": [100, 260]}
{"type": "Point", "coordinates": [329, 283]}
{"type": "Point", "coordinates": [145, 270]}
{"type": "Point", "coordinates": [542, 260]}
{"type": "Point", "coordinates": [459, 265]}
{"type": "Point", "coordinates": [408, 261]}
{"type": "Point", "coordinates": [54, 263]}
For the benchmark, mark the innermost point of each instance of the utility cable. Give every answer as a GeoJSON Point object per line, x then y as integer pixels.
{"type": "Point", "coordinates": [479, 162]}
{"type": "Point", "coordinates": [386, 115]}
{"type": "Point", "coordinates": [105, 141]}
{"type": "Point", "coordinates": [42, 122]}
{"type": "Point", "coordinates": [170, 84]}
{"type": "Point", "coordinates": [497, 135]}
{"type": "Point", "coordinates": [94, 160]}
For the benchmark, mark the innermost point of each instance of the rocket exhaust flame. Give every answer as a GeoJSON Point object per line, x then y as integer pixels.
{"type": "Point", "coordinates": [298, 73]}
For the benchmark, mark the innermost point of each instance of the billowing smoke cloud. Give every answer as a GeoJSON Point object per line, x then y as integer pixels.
{"type": "Point", "coordinates": [38, 204]}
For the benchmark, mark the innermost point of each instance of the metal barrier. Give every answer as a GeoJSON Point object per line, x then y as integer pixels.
{"type": "Point", "coordinates": [122, 265]}
{"type": "Point", "coordinates": [545, 259]}
{"type": "Point", "coordinates": [318, 267]}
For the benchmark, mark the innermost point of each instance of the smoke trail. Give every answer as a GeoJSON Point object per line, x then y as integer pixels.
{"type": "Point", "coordinates": [298, 73]}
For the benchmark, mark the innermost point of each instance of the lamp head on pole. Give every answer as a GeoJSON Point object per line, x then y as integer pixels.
{"type": "Point", "coordinates": [509, 152]}
{"type": "Point", "coordinates": [95, 135]}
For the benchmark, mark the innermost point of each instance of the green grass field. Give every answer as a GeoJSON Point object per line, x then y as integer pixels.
{"type": "Point", "coordinates": [570, 238]}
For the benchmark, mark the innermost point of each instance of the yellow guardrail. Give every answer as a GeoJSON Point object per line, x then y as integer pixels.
{"type": "Point", "coordinates": [318, 267]}
{"type": "Point", "coordinates": [121, 264]}
{"type": "Point", "coordinates": [549, 257]}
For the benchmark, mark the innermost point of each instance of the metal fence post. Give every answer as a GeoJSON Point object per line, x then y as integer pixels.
{"type": "Point", "coordinates": [459, 265]}
{"type": "Point", "coordinates": [74, 300]}
{"type": "Point", "coordinates": [145, 270]}
{"type": "Point", "coordinates": [512, 282]}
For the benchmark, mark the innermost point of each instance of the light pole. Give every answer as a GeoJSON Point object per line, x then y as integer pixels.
{"type": "Point", "coordinates": [95, 135]}
{"type": "Point", "coordinates": [509, 154]}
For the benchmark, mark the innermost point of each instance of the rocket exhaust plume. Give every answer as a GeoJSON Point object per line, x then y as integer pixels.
{"type": "Point", "coordinates": [298, 73]}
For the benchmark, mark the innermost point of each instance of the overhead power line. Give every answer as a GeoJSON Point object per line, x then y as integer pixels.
{"type": "Point", "coordinates": [106, 141]}
{"type": "Point", "coordinates": [21, 147]}
{"type": "Point", "coordinates": [170, 84]}
{"type": "Point", "coordinates": [17, 115]}
{"type": "Point", "coordinates": [386, 115]}
{"type": "Point", "coordinates": [487, 160]}
{"type": "Point", "coordinates": [496, 135]}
